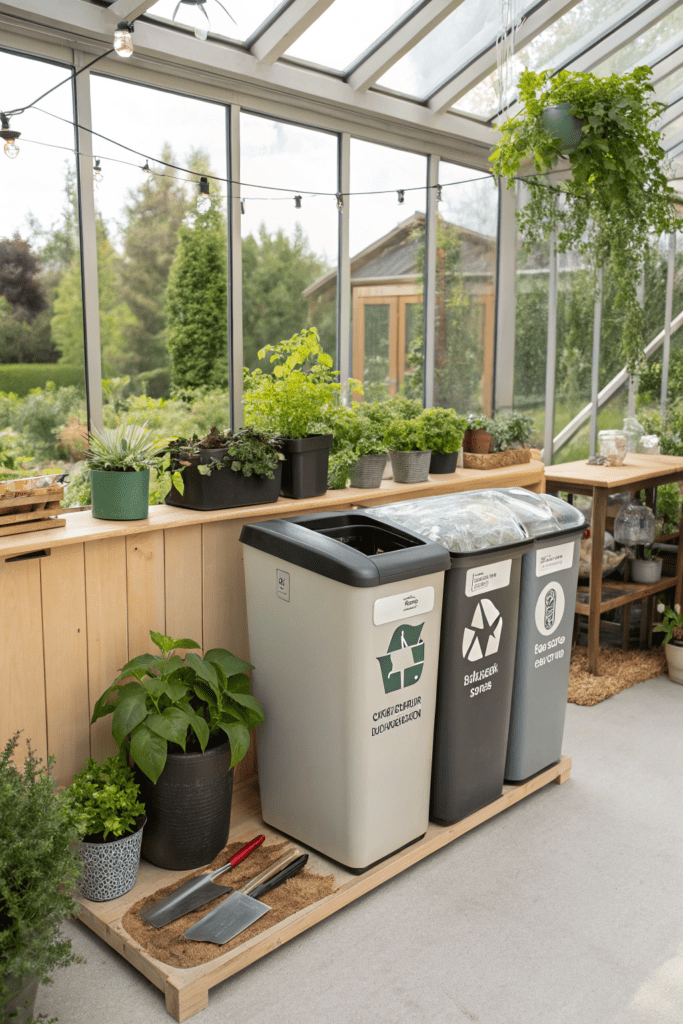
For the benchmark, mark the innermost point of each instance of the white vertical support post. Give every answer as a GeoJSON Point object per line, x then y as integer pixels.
{"type": "Point", "coordinates": [344, 265]}
{"type": "Point", "coordinates": [234, 310]}
{"type": "Point", "coordinates": [429, 297]}
{"type": "Point", "coordinates": [88, 236]}
{"type": "Point", "coordinates": [551, 356]}
{"type": "Point", "coordinates": [595, 370]}
{"type": "Point", "coordinates": [668, 311]}
{"type": "Point", "coordinates": [506, 301]}
{"type": "Point", "coordinates": [633, 381]}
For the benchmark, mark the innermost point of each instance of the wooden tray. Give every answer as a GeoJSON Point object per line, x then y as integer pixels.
{"type": "Point", "coordinates": [187, 989]}
{"type": "Point", "coordinates": [31, 510]}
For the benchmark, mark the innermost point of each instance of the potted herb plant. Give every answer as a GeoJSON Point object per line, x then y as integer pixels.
{"type": "Point", "coordinates": [290, 402]}
{"type": "Point", "coordinates": [443, 432]}
{"type": "Point", "coordinates": [358, 449]}
{"type": "Point", "coordinates": [224, 470]}
{"type": "Point", "coordinates": [105, 800]}
{"type": "Point", "coordinates": [618, 194]}
{"type": "Point", "coordinates": [672, 628]}
{"type": "Point", "coordinates": [645, 567]}
{"type": "Point", "coordinates": [185, 722]}
{"type": "Point", "coordinates": [478, 438]}
{"type": "Point", "coordinates": [38, 874]}
{"type": "Point", "coordinates": [409, 454]}
{"type": "Point", "coordinates": [120, 461]}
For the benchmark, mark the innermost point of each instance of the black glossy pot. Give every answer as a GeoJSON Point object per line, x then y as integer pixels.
{"type": "Point", "coordinates": [304, 471]}
{"type": "Point", "coordinates": [223, 488]}
{"type": "Point", "coordinates": [188, 810]}
{"type": "Point", "coordinates": [443, 462]}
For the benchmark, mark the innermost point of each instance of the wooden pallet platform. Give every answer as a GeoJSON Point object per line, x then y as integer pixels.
{"type": "Point", "coordinates": [187, 990]}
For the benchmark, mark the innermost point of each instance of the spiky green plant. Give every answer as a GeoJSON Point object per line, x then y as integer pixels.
{"type": "Point", "coordinates": [128, 448]}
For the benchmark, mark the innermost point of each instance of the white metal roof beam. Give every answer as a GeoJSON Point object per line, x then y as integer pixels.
{"type": "Point", "coordinates": [287, 28]}
{"type": "Point", "coordinates": [665, 61]}
{"type": "Point", "coordinates": [486, 62]}
{"type": "Point", "coordinates": [674, 109]}
{"type": "Point", "coordinates": [128, 10]}
{"type": "Point", "coordinates": [400, 42]}
{"type": "Point", "coordinates": [621, 36]}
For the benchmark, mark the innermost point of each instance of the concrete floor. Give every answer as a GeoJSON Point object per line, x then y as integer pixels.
{"type": "Point", "coordinates": [566, 909]}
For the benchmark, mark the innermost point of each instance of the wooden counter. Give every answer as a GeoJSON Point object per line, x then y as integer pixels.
{"type": "Point", "coordinates": [78, 602]}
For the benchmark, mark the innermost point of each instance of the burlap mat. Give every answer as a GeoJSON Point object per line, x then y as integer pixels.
{"type": "Point", "coordinates": [618, 671]}
{"type": "Point", "coordinates": [168, 945]}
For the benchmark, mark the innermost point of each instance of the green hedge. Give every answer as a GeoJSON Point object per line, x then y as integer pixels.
{"type": "Point", "coordinates": [22, 377]}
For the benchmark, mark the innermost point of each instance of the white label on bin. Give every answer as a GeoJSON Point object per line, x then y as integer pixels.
{"type": "Point", "coordinates": [495, 576]}
{"type": "Point", "coordinates": [400, 606]}
{"type": "Point", "coordinates": [554, 559]}
{"type": "Point", "coordinates": [549, 609]}
{"type": "Point", "coordinates": [282, 590]}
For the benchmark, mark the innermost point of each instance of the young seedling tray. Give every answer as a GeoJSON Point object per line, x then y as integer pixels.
{"type": "Point", "coordinates": [187, 989]}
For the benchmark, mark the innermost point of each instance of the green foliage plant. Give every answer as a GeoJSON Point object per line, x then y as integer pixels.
{"type": "Point", "coordinates": [39, 870]}
{"type": "Point", "coordinates": [443, 429]}
{"type": "Point", "coordinates": [21, 378]}
{"type": "Point", "coordinates": [671, 624]}
{"type": "Point", "coordinates": [248, 452]}
{"type": "Point", "coordinates": [510, 430]}
{"type": "Point", "coordinates": [406, 436]}
{"type": "Point", "coordinates": [301, 389]}
{"type": "Point", "coordinates": [477, 421]}
{"type": "Point", "coordinates": [126, 449]}
{"type": "Point", "coordinates": [181, 701]}
{"type": "Point", "coordinates": [105, 799]}
{"type": "Point", "coordinates": [669, 507]}
{"type": "Point", "coordinates": [618, 194]}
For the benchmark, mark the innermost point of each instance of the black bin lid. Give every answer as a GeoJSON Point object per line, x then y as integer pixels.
{"type": "Point", "coordinates": [350, 547]}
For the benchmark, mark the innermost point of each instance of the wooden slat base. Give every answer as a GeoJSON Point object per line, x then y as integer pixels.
{"type": "Point", "coordinates": [31, 526]}
{"type": "Point", "coordinates": [187, 990]}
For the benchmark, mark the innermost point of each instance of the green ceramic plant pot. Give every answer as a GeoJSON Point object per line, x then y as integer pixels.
{"type": "Point", "coordinates": [120, 495]}
{"type": "Point", "coordinates": [559, 122]}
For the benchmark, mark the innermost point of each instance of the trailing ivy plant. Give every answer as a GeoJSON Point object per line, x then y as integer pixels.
{"type": "Point", "coordinates": [182, 701]}
{"type": "Point", "coordinates": [618, 194]}
{"type": "Point", "coordinates": [249, 452]}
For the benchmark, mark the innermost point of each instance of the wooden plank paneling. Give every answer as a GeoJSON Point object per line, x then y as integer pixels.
{"type": "Point", "coordinates": [22, 690]}
{"type": "Point", "coordinates": [107, 618]}
{"type": "Point", "coordinates": [183, 561]}
{"type": "Point", "coordinates": [146, 590]}
{"type": "Point", "coordinates": [62, 578]}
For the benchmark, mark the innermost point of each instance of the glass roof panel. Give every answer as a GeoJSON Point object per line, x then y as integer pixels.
{"type": "Point", "coordinates": [671, 84]}
{"type": "Point", "coordinates": [346, 29]}
{"type": "Point", "coordinates": [470, 28]}
{"type": "Point", "coordinates": [640, 48]}
{"type": "Point", "coordinates": [248, 15]}
{"type": "Point", "coordinates": [577, 29]}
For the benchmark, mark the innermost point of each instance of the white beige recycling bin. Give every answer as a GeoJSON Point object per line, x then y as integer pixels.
{"type": "Point", "coordinates": [344, 622]}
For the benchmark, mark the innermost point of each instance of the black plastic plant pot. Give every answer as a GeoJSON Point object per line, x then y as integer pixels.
{"type": "Point", "coordinates": [188, 810]}
{"type": "Point", "coordinates": [304, 471]}
{"type": "Point", "coordinates": [443, 462]}
{"type": "Point", "coordinates": [223, 488]}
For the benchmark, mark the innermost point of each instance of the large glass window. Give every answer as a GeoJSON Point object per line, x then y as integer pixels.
{"type": "Point", "coordinates": [289, 246]}
{"type": "Point", "coordinates": [42, 387]}
{"type": "Point", "coordinates": [345, 30]}
{"type": "Point", "coordinates": [240, 20]}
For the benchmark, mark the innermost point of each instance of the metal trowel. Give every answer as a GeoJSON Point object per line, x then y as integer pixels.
{"type": "Point", "coordinates": [195, 893]}
{"type": "Point", "coordinates": [243, 908]}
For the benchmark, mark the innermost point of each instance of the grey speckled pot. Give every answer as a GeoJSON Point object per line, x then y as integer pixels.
{"type": "Point", "coordinates": [110, 869]}
{"type": "Point", "coordinates": [368, 471]}
{"type": "Point", "coordinates": [410, 467]}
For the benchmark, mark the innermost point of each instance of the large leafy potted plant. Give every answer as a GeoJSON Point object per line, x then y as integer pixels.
{"type": "Point", "coordinates": [478, 438]}
{"type": "Point", "coordinates": [290, 402]}
{"type": "Point", "coordinates": [185, 722]}
{"type": "Point", "coordinates": [105, 800]}
{"type": "Point", "coordinates": [443, 431]}
{"type": "Point", "coordinates": [408, 451]}
{"type": "Point", "coordinates": [224, 470]}
{"type": "Point", "coordinates": [38, 873]}
{"type": "Point", "coordinates": [617, 196]}
{"type": "Point", "coordinates": [120, 461]}
{"type": "Point", "coordinates": [672, 628]}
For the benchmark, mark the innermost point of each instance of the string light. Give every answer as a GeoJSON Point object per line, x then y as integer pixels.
{"type": "Point", "coordinates": [243, 206]}
{"type": "Point", "coordinates": [97, 172]}
{"type": "Point", "coordinates": [147, 169]}
{"type": "Point", "coordinates": [197, 17]}
{"type": "Point", "coordinates": [401, 195]}
{"type": "Point", "coordinates": [439, 190]}
{"type": "Point", "coordinates": [10, 136]}
{"type": "Point", "coordinates": [340, 201]}
{"type": "Point", "coordinates": [297, 202]}
{"type": "Point", "coordinates": [204, 198]}
{"type": "Point", "coordinates": [123, 38]}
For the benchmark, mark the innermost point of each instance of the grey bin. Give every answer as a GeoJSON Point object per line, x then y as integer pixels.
{"type": "Point", "coordinates": [344, 618]}
{"type": "Point", "coordinates": [486, 543]}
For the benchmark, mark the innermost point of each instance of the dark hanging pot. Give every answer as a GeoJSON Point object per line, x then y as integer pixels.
{"type": "Point", "coordinates": [563, 125]}
{"type": "Point", "coordinates": [443, 462]}
{"type": "Point", "coordinates": [223, 488]}
{"type": "Point", "coordinates": [188, 810]}
{"type": "Point", "coordinates": [304, 471]}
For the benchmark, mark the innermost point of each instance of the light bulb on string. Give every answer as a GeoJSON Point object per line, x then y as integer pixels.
{"type": "Point", "coordinates": [123, 39]}
{"type": "Point", "coordinates": [243, 206]}
{"type": "Point", "coordinates": [147, 169]}
{"type": "Point", "coordinates": [340, 201]}
{"type": "Point", "coordinates": [97, 172]}
{"type": "Point", "coordinates": [10, 136]}
{"type": "Point", "coordinates": [204, 198]}
{"type": "Point", "coordinates": [194, 14]}
{"type": "Point", "coordinates": [297, 202]}
{"type": "Point", "coordinates": [401, 196]}
{"type": "Point", "coordinates": [439, 190]}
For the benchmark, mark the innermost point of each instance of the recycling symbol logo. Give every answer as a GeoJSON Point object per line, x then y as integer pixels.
{"type": "Point", "coordinates": [403, 663]}
{"type": "Point", "coordinates": [483, 636]}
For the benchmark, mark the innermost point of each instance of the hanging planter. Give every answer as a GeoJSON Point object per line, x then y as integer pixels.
{"type": "Point", "coordinates": [561, 124]}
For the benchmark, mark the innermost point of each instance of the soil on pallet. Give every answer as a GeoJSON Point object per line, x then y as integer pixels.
{"type": "Point", "coordinates": [168, 945]}
{"type": "Point", "coordinates": [618, 671]}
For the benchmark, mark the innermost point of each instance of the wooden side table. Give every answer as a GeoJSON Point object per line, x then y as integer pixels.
{"type": "Point", "coordinates": [639, 472]}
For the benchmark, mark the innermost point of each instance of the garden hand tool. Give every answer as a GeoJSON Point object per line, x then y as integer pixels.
{"type": "Point", "coordinates": [196, 892]}
{"type": "Point", "coordinates": [243, 908]}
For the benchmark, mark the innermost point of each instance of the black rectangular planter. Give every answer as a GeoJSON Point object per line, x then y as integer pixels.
{"type": "Point", "coordinates": [304, 471]}
{"type": "Point", "coordinates": [224, 488]}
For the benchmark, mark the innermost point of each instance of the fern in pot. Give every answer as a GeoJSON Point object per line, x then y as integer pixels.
{"type": "Point", "coordinates": [120, 461]}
